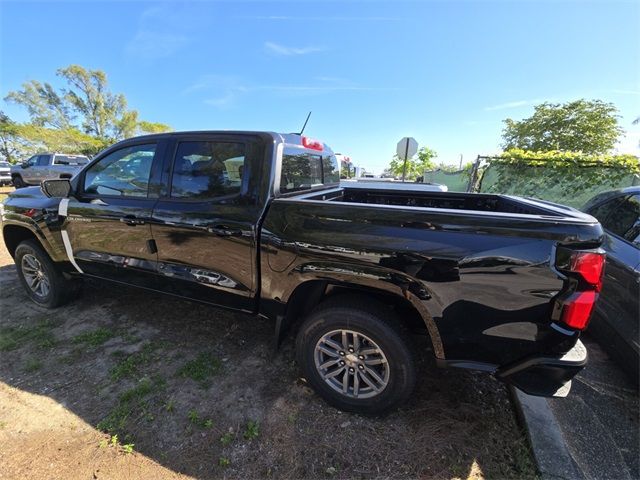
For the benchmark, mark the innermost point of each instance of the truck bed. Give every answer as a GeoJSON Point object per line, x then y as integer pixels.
{"type": "Point", "coordinates": [471, 202]}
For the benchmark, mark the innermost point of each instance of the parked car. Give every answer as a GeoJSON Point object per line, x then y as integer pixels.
{"type": "Point", "coordinates": [5, 173]}
{"type": "Point", "coordinates": [616, 322]}
{"type": "Point", "coordinates": [258, 222]}
{"type": "Point", "coordinates": [45, 166]}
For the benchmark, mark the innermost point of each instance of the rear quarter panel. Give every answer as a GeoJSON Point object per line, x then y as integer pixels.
{"type": "Point", "coordinates": [484, 284]}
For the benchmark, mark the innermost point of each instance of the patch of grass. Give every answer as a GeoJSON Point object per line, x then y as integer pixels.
{"type": "Point", "coordinates": [224, 462]}
{"type": "Point", "coordinates": [194, 419]}
{"type": "Point", "coordinates": [32, 365]}
{"type": "Point", "coordinates": [94, 338]}
{"type": "Point", "coordinates": [129, 401]}
{"type": "Point", "coordinates": [40, 335]}
{"type": "Point", "coordinates": [131, 364]}
{"type": "Point", "coordinates": [3, 425]}
{"type": "Point", "coordinates": [170, 405]}
{"type": "Point", "coordinates": [227, 439]}
{"type": "Point", "coordinates": [252, 431]}
{"type": "Point", "coordinates": [201, 368]}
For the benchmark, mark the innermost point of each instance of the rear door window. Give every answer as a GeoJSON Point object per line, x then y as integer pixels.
{"type": "Point", "coordinates": [207, 169]}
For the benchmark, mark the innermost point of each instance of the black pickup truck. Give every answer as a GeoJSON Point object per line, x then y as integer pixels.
{"type": "Point", "coordinates": [258, 222]}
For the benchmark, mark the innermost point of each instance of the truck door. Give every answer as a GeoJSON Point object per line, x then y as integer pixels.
{"type": "Point", "coordinates": [108, 218]}
{"type": "Point", "coordinates": [30, 171]}
{"type": "Point", "coordinates": [41, 170]}
{"type": "Point", "coordinates": [205, 224]}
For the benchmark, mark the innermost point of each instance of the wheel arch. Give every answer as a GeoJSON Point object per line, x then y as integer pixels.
{"type": "Point", "coordinates": [307, 295]}
{"type": "Point", "coordinates": [13, 235]}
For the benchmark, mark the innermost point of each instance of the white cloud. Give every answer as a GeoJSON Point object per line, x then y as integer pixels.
{"type": "Point", "coordinates": [152, 45]}
{"type": "Point", "coordinates": [319, 19]}
{"type": "Point", "coordinates": [514, 104]}
{"type": "Point", "coordinates": [277, 49]}
{"type": "Point", "coordinates": [229, 88]}
{"type": "Point", "coordinates": [162, 31]}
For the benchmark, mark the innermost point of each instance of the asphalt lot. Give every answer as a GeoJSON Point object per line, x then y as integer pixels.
{"type": "Point", "coordinates": [599, 420]}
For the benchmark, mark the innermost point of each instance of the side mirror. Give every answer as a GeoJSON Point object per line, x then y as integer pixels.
{"type": "Point", "coordinates": [56, 188]}
{"type": "Point", "coordinates": [25, 165]}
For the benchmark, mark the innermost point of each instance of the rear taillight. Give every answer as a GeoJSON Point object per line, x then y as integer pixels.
{"type": "Point", "coordinates": [576, 311]}
{"type": "Point", "coordinates": [312, 143]}
{"type": "Point", "coordinates": [589, 267]}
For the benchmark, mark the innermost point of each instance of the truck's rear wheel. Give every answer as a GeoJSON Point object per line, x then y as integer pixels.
{"type": "Point", "coordinates": [356, 355]}
{"type": "Point", "coordinates": [41, 278]}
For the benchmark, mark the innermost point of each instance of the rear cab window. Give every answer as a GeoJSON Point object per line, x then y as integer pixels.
{"type": "Point", "coordinates": [70, 160]}
{"type": "Point", "coordinates": [305, 169]}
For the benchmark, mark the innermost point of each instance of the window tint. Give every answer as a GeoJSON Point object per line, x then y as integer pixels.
{"type": "Point", "coordinates": [205, 170]}
{"type": "Point", "coordinates": [300, 172]}
{"type": "Point", "coordinates": [331, 169]}
{"type": "Point", "coordinates": [625, 220]}
{"type": "Point", "coordinates": [124, 172]}
{"type": "Point", "coordinates": [70, 160]}
{"type": "Point", "coordinates": [602, 211]}
{"type": "Point", "coordinates": [43, 160]}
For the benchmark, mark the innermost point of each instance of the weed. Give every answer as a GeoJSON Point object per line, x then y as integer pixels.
{"type": "Point", "coordinates": [193, 416]}
{"type": "Point", "coordinates": [252, 431]}
{"type": "Point", "coordinates": [128, 448]}
{"type": "Point", "coordinates": [170, 405]}
{"type": "Point", "coordinates": [224, 462]}
{"type": "Point", "coordinates": [201, 368]}
{"type": "Point", "coordinates": [226, 439]}
{"type": "Point", "coordinates": [32, 365]}
{"type": "Point", "coordinates": [129, 401]}
{"type": "Point", "coordinates": [114, 440]}
{"type": "Point", "coordinates": [94, 338]}
{"type": "Point", "coordinates": [132, 363]}
{"type": "Point", "coordinates": [40, 335]}
{"type": "Point", "coordinates": [3, 425]}
{"type": "Point", "coordinates": [194, 419]}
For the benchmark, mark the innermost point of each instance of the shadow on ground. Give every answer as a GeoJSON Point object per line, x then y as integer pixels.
{"type": "Point", "coordinates": [199, 391]}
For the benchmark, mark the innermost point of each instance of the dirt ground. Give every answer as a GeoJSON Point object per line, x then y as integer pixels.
{"type": "Point", "coordinates": [128, 384]}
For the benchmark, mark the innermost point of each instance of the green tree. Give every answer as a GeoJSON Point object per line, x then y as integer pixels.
{"type": "Point", "coordinates": [85, 105]}
{"type": "Point", "coordinates": [415, 166]}
{"type": "Point", "coordinates": [12, 146]}
{"type": "Point", "coordinates": [587, 126]}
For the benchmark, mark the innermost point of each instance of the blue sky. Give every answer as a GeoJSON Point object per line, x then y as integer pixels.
{"type": "Point", "coordinates": [372, 72]}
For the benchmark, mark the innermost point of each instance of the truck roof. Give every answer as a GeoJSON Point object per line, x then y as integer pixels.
{"type": "Point", "coordinates": [289, 139]}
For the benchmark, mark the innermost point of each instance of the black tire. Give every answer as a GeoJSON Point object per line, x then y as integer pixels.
{"type": "Point", "coordinates": [18, 182]}
{"type": "Point", "coordinates": [374, 320]}
{"type": "Point", "coordinates": [61, 290]}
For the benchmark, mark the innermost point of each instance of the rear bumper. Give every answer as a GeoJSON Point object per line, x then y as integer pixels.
{"type": "Point", "coordinates": [546, 376]}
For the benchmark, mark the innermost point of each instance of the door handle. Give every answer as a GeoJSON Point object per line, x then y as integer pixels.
{"type": "Point", "coordinates": [131, 220]}
{"type": "Point", "coordinates": [224, 231]}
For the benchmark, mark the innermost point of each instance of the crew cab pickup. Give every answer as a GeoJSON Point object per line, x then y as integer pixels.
{"type": "Point", "coordinates": [258, 222]}
{"type": "Point", "coordinates": [44, 166]}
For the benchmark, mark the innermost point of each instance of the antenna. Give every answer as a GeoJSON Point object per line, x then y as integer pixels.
{"type": "Point", "coordinates": [305, 124]}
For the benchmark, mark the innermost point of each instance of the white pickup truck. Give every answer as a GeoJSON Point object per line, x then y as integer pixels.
{"type": "Point", "coordinates": [44, 166]}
